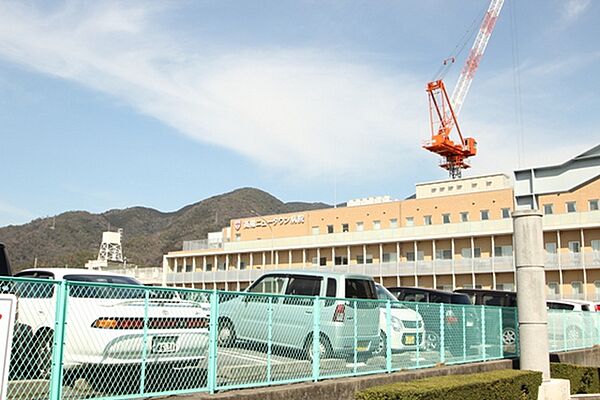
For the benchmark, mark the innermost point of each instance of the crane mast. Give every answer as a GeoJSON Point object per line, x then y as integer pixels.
{"type": "Point", "coordinates": [444, 111]}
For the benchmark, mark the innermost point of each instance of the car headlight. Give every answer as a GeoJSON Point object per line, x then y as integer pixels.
{"type": "Point", "coordinates": [397, 324]}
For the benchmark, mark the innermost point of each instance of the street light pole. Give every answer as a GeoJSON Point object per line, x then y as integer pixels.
{"type": "Point", "coordinates": [271, 230]}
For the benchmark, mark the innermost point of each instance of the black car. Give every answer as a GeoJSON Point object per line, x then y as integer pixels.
{"type": "Point", "coordinates": [458, 331]}
{"type": "Point", "coordinates": [499, 298]}
{"type": "Point", "coordinates": [5, 269]}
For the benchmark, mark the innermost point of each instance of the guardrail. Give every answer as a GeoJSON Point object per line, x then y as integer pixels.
{"type": "Point", "coordinates": [77, 340]}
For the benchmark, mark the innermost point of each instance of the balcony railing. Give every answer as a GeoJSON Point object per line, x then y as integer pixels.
{"type": "Point", "coordinates": [405, 268]}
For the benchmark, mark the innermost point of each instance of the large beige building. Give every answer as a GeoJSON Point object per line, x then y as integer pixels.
{"type": "Point", "coordinates": [450, 234]}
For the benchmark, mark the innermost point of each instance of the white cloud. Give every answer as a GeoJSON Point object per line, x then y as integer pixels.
{"type": "Point", "coordinates": [303, 111]}
{"type": "Point", "coordinates": [573, 9]}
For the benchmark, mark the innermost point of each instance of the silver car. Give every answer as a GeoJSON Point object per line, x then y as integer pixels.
{"type": "Point", "coordinates": [279, 308]}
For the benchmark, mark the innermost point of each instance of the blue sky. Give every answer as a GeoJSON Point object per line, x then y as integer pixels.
{"type": "Point", "coordinates": [116, 104]}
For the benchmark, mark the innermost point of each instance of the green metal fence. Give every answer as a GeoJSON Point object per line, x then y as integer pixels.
{"type": "Point", "coordinates": [76, 340]}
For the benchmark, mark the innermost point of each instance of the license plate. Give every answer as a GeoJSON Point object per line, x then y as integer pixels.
{"type": "Point", "coordinates": [362, 346]}
{"type": "Point", "coordinates": [409, 339]}
{"type": "Point", "coordinates": [164, 344]}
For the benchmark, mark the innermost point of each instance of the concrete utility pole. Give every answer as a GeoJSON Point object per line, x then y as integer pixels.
{"type": "Point", "coordinates": [531, 302]}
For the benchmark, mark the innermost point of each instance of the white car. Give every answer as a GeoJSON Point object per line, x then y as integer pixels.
{"type": "Point", "coordinates": [105, 324]}
{"type": "Point", "coordinates": [408, 329]}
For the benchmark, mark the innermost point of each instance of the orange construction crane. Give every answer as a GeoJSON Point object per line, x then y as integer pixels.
{"type": "Point", "coordinates": [443, 110]}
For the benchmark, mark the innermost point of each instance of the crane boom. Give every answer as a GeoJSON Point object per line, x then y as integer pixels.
{"type": "Point", "coordinates": [444, 110]}
{"type": "Point", "coordinates": [483, 37]}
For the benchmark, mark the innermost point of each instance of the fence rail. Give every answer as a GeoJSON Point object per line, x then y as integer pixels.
{"type": "Point", "coordinates": [76, 340]}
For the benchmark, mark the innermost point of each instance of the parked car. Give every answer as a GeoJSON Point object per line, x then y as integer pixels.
{"type": "Point", "coordinates": [244, 316]}
{"type": "Point", "coordinates": [452, 319]}
{"type": "Point", "coordinates": [105, 325]}
{"type": "Point", "coordinates": [5, 269]}
{"type": "Point", "coordinates": [499, 298]}
{"type": "Point", "coordinates": [586, 305]}
{"type": "Point", "coordinates": [407, 327]}
{"type": "Point", "coordinates": [570, 321]}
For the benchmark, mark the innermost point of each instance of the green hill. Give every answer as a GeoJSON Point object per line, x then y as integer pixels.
{"type": "Point", "coordinates": [73, 237]}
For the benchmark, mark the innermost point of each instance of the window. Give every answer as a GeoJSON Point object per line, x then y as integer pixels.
{"type": "Point", "coordinates": [208, 267]}
{"type": "Point", "coordinates": [473, 185]}
{"type": "Point", "coordinates": [376, 224]}
{"type": "Point", "coordinates": [464, 216]}
{"type": "Point", "coordinates": [303, 286]}
{"type": "Point", "coordinates": [269, 284]}
{"type": "Point", "coordinates": [323, 261]}
{"type": "Point", "coordinates": [415, 297]}
{"type": "Point", "coordinates": [577, 289]}
{"type": "Point", "coordinates": [329, 228]}
{"type": "Point", "coordinates": [596, 290]}
{"type": "Point", "coordinates": [222, 266]}
{"type": "Point", "coordinates": [443, 254]}
{"type": "Point", "coordinates": [238, 237]}
{"type": "Point", "coordinates": [427, 220]}
{"type": "Point", "coordinates": [506, 213]}
{"type": "Point", "coordinates": [341, 260]}
{"type": "Point", "coordinates": [389, 257]}
{"type": "Point", "coordinates": [485, 215]}
{"type": "Point", "coordinates": [574, 247]}
{"type": "Point", "coordinates": [410, 256]}
{"type": "Point", "coordinates": [503, 251]}
{"type": "Point", "coordinates": [446, 218]}
{"type": "Point", "coordinates": [559, 306]}
{"type": "Point", "coordinates": [548, 209]}
{"type": "Point", "coordinates": [393, 223]}
{"type": "Point", "coordinates": [506, 286]}
{"type": "Point", "coordinates": [553, 290]}
{"type": "Point", "coordinates": [410, 221]}
{"type": "Point", "coordinates": [360, 289]}
{"type": "Point", "coordinates": [458, 187]}
{"type": "Point", "coordinates": [315, 230]}
{"type": "Point", "coordinates": [550, 248]}
{"type": "Point", "coordinates": [345, 227]}
{"type": "Point", "coordinates": [242, 265]}
{"type": "Point", "coordinates": [360, 260]}
{"type": "Point", "coordinates": [465, 252]}
{"type": "Point", "coordinates": [593, 205]}
{"type": "Point", "coordinates": [596, 245]}
{"type": "Point", "coordinates": [331, 287]}
{"type": "Point", "coordinates": [571, 206]}
{"type": "Point", "coordinates": [360, 226]}
{"type": "Point", "coordinates": [488, 183]}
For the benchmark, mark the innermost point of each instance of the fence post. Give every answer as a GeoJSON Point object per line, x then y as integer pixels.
{"type": "Point", "coordinates": [316, 365]}
{"type": "Point", "coordinates": [388, 342]}
{"type": "Point", "coordinates": [442, 348]}
{"type": "Point", "coordinates": [564, 323]}
{"type": "Point", "coordinates": [269, 338]}
{"type": "Point", "coordinates": [144, 343]}
{"type": "Point", "coordinates": [58, 345]}
{"type": "Point", "coordinates": [500, 323]}
{"type": "Point", "coordinates": [464, 333]}
{"type": "Point", "coordinates": [423, 336]}
{"type": "Point", "coordinates": [212, 341]}
{"type": "Point", "coordinates": [355, 337]}
{"type": "Point", "coordinates": [483, 332]}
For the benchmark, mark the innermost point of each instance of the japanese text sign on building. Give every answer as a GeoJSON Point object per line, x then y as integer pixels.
{"type": "Point", "coordinates": [8, 309]}
{"type": "Point", "coordinates": [275, 221]}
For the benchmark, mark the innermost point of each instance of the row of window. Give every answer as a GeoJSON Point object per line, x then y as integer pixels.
{"type": "Point", "coordinates": [458, 187]}
{"type": "Point", "coordinates": [571, 206]}
{"type": "Point", "coordinates": [484, 215]}
{"type": "Point", "coordinates": [574, 246]}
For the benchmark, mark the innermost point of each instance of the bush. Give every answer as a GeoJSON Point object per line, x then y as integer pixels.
{"type": "Point", "coordinates": [583, 379]}
{"type": "Point", "coordinates": [494, 385]}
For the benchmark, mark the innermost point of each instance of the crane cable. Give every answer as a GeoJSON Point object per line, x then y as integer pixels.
{"type": "Point", "coordinates": [518, 102]}
{"type": "Point", "coordinates": [466, 38]}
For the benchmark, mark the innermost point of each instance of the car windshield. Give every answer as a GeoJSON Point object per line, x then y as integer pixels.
{"type": "Point", "coordinates": [105, 292]}
{"type": "Point", "coordinates": [460, 299]}
{"type": "Point", "coordinates": [384, 294]}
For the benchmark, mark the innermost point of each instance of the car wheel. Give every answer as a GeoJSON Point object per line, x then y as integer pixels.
{"type": "Point", "coordinates": [324, 348]}
{"type": "Point", "coordinates": [509, 336]}
{"type": "Point", "coordinates": [432, 341]}
{"type": "Point", "coordinates": [226, 335]}
{"type": "Point", "coordinates": [381, 348]}
{"type": "Point", "coordinates": [43, 354]}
